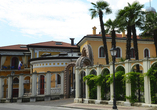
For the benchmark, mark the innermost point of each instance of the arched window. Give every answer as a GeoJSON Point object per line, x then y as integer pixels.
{"type": "Point", "coordinates": [58, 79]}
{"type": "Point", "coordinates": [118, 52]}
{"type": "Point", "coordinates": [132, 53]}
{"type": "Point", "coordinates": [101, 52]}
{"type": "Point", "coordinates": [14, 63]}
{"type": "Point", "coordinates": [15, 80]}
{"type": "Point", "coordinates": [146, 53]}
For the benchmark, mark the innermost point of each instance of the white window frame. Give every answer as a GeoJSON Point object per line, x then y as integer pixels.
{"type": "Point", "coordinates": [144, 53]}
{"type": "Point", "coordinates": [99, 52]}
{"type": "Point", "coordinates": [120, 52]}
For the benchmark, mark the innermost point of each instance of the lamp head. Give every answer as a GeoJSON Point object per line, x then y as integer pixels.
{"type": "Point", "coordinates": [113, 51]}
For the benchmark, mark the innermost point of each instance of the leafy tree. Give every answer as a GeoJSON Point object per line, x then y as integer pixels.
{"type": "Point", "coordinates": [97, 10]}
{"type": "Point", "coordinates": [150, 27]}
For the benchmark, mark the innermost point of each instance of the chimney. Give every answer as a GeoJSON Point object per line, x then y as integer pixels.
{"type": "Point", "coordinates": [72, 41]}
{"type": "Point", "coordinates": [123, 33]}
{"type": "Point", "coordinates": [94, 30]}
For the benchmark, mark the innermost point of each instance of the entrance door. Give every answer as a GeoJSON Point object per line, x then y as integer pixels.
{"type": "Point", "coordinates": [15, 92]}
{"type": "Point", "coordinates": [42, 84]}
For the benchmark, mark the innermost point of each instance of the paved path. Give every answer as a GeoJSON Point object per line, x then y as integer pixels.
{"type": "Point", "coordinates": [105, 107]}
{"type": "Point", "coordinates": [63, 104]}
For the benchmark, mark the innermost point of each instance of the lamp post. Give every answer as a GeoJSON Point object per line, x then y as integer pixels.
{"type": "Point", "coordinates": [12, 75]}
{"type": "Point", "coordinates": [113, 54]}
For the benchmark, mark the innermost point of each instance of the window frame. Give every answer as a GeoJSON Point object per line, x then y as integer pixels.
{"type": "Point", "coordinates": [144, 52]}
{"type": "Point", "coordinates": [99, 52]}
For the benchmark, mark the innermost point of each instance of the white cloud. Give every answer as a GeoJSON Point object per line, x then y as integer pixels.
{"type": "Point", "coordinates": [60, 19]}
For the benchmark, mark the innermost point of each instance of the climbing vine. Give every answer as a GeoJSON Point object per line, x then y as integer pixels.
{"type": "Point", "coordinates": [132, 78]}
{"type": "Point", "coordinates": [152, 73]}
{"type": "Point", "coordinates": [119, 83]}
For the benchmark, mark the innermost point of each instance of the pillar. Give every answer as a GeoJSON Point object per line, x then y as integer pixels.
{"type": "Point", "coordinates": [98, 87]}
{"type": "Point", "coordinates": [87, 87]}
{"type": "Point", "coordinates": [76, 100]}
{"type": "Point", "coordinates": [147, 90]}
{"type": "Point", "coordinates": [48, 87]}
{"type": "Point", "coordinates": [34, 87]}
{"type": "Point", "coordinates": [1, 87]}
{"type": "Point", "coordinates": [9, 87]}
{"type": "Point", "coordinates": [62, 82]}
{"type": "Point", "coordinates": [21, 85]}
{"type": "Point", "coordinates": [111, 85]}
{"type": "Point", "coordinates": [128, 85]}
{"type": "Point", "coordinates": [21, 88]}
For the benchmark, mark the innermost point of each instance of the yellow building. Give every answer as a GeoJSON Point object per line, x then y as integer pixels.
{"type": "Point", "coordinates": [54, 63]}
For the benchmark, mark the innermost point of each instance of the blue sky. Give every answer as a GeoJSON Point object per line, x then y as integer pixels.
{"type": "Point", "coordinates": [32, 21]}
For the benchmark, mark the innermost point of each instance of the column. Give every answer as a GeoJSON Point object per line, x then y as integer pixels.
{"type": "Point", "coordinates": [98, 87]}
{"type": "Point", "coordinates": [21, 85]}
{"type": "Point", "coordinates": [48, 87]}
{"type": "Point", "coordinates": [147, 91]}
{"type": "Point", "coordinates": [34, 87]}
{"type": "Point", "coordinates": [128, 85]}
{"type": "Point", "coordinates": [111, 85]}
{"type": "Point", "coordinates": [87, 87]}
{"type": "Point", "coordinates": [62, 82]}
{"type": "Point", "coordinates": [21, 88]}
{"type": "Point", "coordinates": [9, 87]}
{"type": "Point", "coordinates": [76, 100]}
{"type": "Point", "coordinates": [1, 87]}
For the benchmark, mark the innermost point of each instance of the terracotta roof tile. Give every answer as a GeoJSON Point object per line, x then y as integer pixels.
{"type": "Point", "coordinates": [117, 35]}
{"type": "Point", "coordinates": [53, 44]}
{"type": "Point", "coordinates": [14, 47]}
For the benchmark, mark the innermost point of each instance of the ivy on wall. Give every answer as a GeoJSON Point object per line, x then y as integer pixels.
{"type": "Point", "coordinates": [132, 78]}
{"type": "Point", "coordinates": [152, 73]}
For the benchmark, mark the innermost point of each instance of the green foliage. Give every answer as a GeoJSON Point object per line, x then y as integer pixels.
{"type": "Point", "coordinates": [119, 83]}
{"type": "Point", "coordinates": [132, 78]}
{"type": "Point", "coordinates": [152, 73]}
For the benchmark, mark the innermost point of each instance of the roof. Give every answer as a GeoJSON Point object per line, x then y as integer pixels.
{"type": "Point", "coordinates": [18, 47]}
{"type": "Point", "coordinates": [52, 44]}
{"type": "Point", "coordinates": [150, 9]}
{"type": "Point", "coordinates": [118, 37]}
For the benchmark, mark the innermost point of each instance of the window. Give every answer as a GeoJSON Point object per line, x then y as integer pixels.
{"type": "Point", "coordinates": [14, 63]}
{"type": "Point", "coordinates": [146, 53]}
{"type": "Point", "coordinates": [132, 53]}
{"type": "Point", "coordinates": [101, 52]}
{"type": "Point", "coordinates": [15, 80]}
{"type": "Point", "coordinates": [58, 79]}
{"type": "Point", "coordinates": [118, 52]}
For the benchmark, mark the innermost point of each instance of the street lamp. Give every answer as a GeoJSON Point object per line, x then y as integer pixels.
{"type": "Point", "coordinates": [12, 75]}
{"type": "Point", "coordinates": [113, 54]}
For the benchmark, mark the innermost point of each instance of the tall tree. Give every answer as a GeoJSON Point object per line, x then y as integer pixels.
{"type": "Point", "coordinates": [125, 22]}
{"type": "Point", "coordinates": [111, 28]}
{"type": "Point", "coordinates": [97, 10]}
{"type": "Point", "coordinates": [150, 27]}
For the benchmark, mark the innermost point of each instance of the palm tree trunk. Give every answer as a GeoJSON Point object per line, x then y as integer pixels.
{"type": "Point", "coordinates": [103, 36]}
{"type": "Point", "coordinates": [113, 35]}
{"type": "Point", "coordinates": [128, 44]}
{"type": "Point", "coordinates": [155, 40]}
{"type": "Point", "coordinates": [137, 58]}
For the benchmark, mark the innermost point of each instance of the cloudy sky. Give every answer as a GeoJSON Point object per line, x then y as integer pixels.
{"type": "Point", "coordinates": [32, 21]}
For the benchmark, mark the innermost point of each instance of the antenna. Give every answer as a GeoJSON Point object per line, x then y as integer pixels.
{"type": "Point", "coordinates": [150, 2]}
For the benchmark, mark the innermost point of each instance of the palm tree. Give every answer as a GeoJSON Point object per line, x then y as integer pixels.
{"type": "Point", "coordinates": [111, 28]}
{"type": "Point", "coordinates": [97, 10]}
{"type": "Point", "coordinates": [150, 27]}
{"type": "Point", "coordinates": [133, 14]}
{"type": "Point", "coordinates": [125, 22]}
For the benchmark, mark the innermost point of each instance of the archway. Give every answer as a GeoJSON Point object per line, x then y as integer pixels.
{"type": "Point", "coordinates": [15, 87]}
{"type": "Point", "coordinates": [82, 86]}
{"type": "Point", "coordinates": [137, 82]}
{"type": "Point", "coordinates": [69, 80]}
{"type": "Point", "coordinates": [14, 63]}
{"type": "Point", "coordinates": [119, 83]}
{"type": "Point", "coordinates": [152, 73]}
{"type": "Point", "coordinates": [87, 52]}
{"type": "Point", "coordinates": [105, 88]}
{"type": "Point", "coordinates": [27, 85]}
{"type": "Point", "coordinates": [93, 86]}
